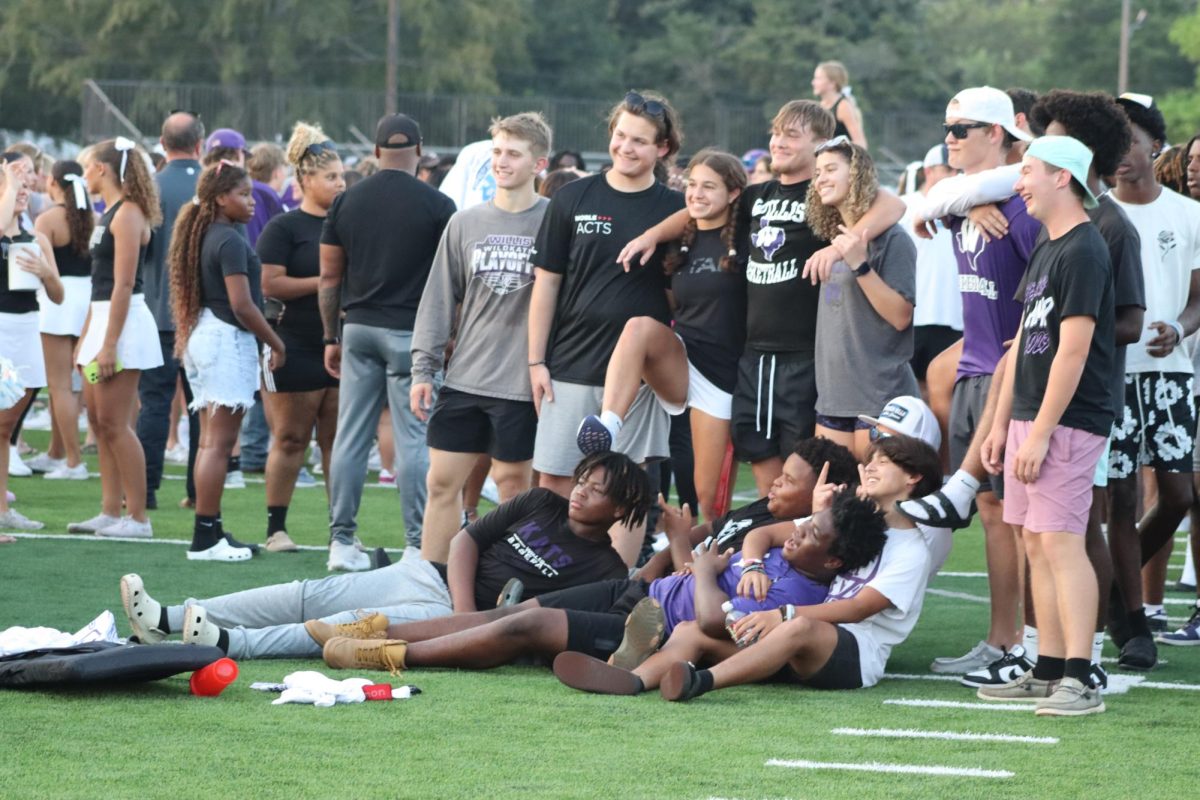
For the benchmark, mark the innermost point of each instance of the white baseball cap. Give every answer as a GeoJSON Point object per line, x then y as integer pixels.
{"type": "Point", "coordinates": [986, 104]}
{"type": "Point", "coordinates": [909, 416]}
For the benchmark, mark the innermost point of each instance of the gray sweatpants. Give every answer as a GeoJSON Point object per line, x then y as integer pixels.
{"type": "Point", "coordinates": [376, 363]}
{"type": "Point", "coordinates": [268, 622]}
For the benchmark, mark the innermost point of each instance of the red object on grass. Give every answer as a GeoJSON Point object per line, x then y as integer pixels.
{"type": "Point", "coordinates": [210, 681]}
{"type": "Point", "coordinates": [723, 500]}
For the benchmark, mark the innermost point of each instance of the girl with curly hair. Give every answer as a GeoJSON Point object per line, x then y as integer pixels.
{"type": "Point", "coordinates": [120, 337]}
{"type": "Point", "coordinates": [864, 319]}
{"type": "Point", "coordinates": [217, 297]}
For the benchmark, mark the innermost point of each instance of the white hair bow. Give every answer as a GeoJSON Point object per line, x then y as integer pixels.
{"type": "Point", "coordinates": [77, 184]}
{"type": "Point", "coordinates": [123, 146]}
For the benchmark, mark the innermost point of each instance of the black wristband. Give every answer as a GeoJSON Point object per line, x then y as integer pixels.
{"type": "Point", "coordinates": [334, 340]}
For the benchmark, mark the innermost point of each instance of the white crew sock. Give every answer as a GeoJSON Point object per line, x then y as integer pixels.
{"type": "Point", "coordinates": [1029, 640]}
{"type": "Point", "coordinates": [1097, 646]}
{"type": "Point", "coordinates": [1189, 567]}
{"type": "Point", "coordinates": [961, 490]}
{"type": "Point", "coordinates": [612, 421]}
{"type": "Point", "coordinates": [1152, 610]}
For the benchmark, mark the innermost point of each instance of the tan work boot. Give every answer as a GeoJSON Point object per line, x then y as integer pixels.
{"type": "Point", "coordinates": [372, 627]}
{"type": "Point", "coordinates": [344, 653]}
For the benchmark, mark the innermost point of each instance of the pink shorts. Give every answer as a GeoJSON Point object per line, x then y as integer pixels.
{"type": "Point", "coordinates": [1061, 498]}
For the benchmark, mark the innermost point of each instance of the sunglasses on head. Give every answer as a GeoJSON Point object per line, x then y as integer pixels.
{"type": "Point", "coordinates": [320, 147]}
{"type": "Point", "coordinates": [638, 104]}
{"type": "Point", "coordinates": [959, 130]}
{"type": "Point", "coordinates": [831, 144]}
{"type": "Point", "coordinates": [876, 434]}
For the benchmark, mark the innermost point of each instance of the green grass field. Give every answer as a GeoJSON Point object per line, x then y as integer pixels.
{"type": "Point", "coordinates": [516, 732]}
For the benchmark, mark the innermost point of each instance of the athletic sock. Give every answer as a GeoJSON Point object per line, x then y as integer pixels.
{"type": "Point", "coordinates": [1138, 626]}
{"type": "Point", "coordinates": [223, 641]}
{"type": "Point", "coordinates": [961, 490]}
{"type": "Point", "coordinates": [276, 519]}
{"type": "Point", "coordinates": [1080, 669]}
{"type": "Point", "coordinates": [1097, 646]}
{"type": "Point", "coordinates": [704, 683]}
{"type": "Point", "coordinates": [206, 532]}
{"type": "Point", "coordinates": [234, 464]}
{"type": "Point", "coordinates": [1152, 610]}
{"type": "Point", "coordinates": [163, 624]}
{"type": "Point", "coordinates": [1049, 668]}
{"type": "Point", "coordinates": [612, 421]}
{"type": "Point", "coordinates": [1029, 641]}
{"type": "Point", "coordinates": [641, 687]}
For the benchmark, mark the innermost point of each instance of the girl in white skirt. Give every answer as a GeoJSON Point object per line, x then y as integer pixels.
{"type": "Point", "coordinates": [216, 290]}
{"type": "Point", "coordinates": [18, 319]}
{"type": "Point", "coordinates": [68, 224]}
{"type": "Point", "coordinates": [120, 336]}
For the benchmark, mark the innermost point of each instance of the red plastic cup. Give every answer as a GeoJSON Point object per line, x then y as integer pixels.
{"type": "Point", "coordinates": [210, 681]}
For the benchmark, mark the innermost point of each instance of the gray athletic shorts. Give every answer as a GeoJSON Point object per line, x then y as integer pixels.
{"type": "Point", "coordinates": [970, 396]}
{"type": "Point", "coordinates": [643, 436]}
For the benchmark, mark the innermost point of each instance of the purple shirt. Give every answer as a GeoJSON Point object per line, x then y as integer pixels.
{"type": "Point", "coordinates": [677, 593]}
{"type": "Point", "coordinates": [266, 205]}
{"type": "Point", "coordinates": [988, 276]}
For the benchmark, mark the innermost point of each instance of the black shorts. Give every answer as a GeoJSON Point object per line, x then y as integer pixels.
{"type": "Point", "coordinates": [841, 671]}
{"type": "Point", "coordinates": [843, 424]}
{"type": "Point", "coordinates": [304, 368]}
{"type": "Point", "coordinates": [774, 404]}
{"type": "Point", "coordinates": [596, 613]}
{"type": "Point", "coordinates": [928, 342]}
{"type": "Point", "coordinates": [462, 422]}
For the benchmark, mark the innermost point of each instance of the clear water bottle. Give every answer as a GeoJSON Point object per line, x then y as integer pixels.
{"type": "Point", "coordinates": [732, 615]}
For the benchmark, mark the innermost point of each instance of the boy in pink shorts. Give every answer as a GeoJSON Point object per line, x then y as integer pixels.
{"type": "Point", "coordinates": [1052, 421]}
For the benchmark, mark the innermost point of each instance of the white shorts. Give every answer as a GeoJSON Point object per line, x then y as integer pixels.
{"type": "Point", "coordinates": [703, 395]}
{"type": "Point", "coordinates": [138, 346]}
{"type": "Point", "coordinates": [221, 362]}
{"type": "Point", "coordinates": [21, 344]}
{"type": "Point", "coordinates": [65, 318]}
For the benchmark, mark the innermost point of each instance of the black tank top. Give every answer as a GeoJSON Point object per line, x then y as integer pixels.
{"type": "Point", "coordinates": [70, 263]}
{"type": "Point", "coordinates": [14, 302]}
{"type": "Point", "coordinates": [839, 127]}
{"type": "Point", "coordinates": [103, 252]}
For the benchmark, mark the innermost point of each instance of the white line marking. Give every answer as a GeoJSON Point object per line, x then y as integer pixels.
{"type": "Point", "coordinates": [962, 575]}
{"type": "Point", "coordinates": [966, 736]}
{"type": "Point", "coordinates": [1186, 687]}
{"type": "Point", "coordinates": [1026, 707]}
{"type": "Point", "coordinates": [80, 537]}
{"type": "Point", "coordinates": [1179, 601]}
{"type": "Point", "coordinates": [901, 676]}
{"type": "Point", "coordinates": [974, 598]}
{"type": "Point", "coordinates": [908, 769]}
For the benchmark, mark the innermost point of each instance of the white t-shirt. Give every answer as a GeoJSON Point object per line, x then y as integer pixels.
{"type": "Point", "coordinates": [470, 181]}
{"type": "Point", "coordinates": [938, 300]}
{"type": "Point", "coordinates": [900, 574]}
{"type": "Point", "coordinates": [1170, 231]}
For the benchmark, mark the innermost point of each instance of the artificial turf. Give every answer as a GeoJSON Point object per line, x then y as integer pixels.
{"type": "Point", "coordinates": [516, 732]}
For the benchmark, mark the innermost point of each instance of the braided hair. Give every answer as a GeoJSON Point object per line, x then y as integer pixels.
{"type": "Point", "coordinates": [187, 239]}
{"type": "Point", "coordinates": [731, 172]}
{"type": "Point", "coordinates": [628, 486]}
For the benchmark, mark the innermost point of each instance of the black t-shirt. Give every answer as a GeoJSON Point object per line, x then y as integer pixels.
{"type": "Point", "coordinates": [389, 226]}
{"type": "Point", "coordinates": [293, 241]}
{"type": "Point", "coordinates": [227, 252]}
{"type": "Point", "coordinates": [103, 252]}
{"type": "Point", "coordinates": [782, 315]}
{"type": "Point", "coordinates": [586, 225]}
{"type": "Point", "coordinates": [14, 302]}
{"type": "Point", "coordinates": [1066, 277]}
{"type": "Point", "coordinates": [710, 309]}
{"type": "Point", "coordinates": [731, 529]}
{"type": "Point", "coordinates": [528, 538]}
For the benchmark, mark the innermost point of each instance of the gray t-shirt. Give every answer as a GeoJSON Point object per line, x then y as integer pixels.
{"type": "Point", "coordinates": [176, 186]}
{"type": "Point", "coordinates": [483, 263]}
{"type": "Point", "coordinates": [861, 360]}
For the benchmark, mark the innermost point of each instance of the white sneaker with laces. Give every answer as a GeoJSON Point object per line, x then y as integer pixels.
{"type": "Point", "coordinates": [347, 558]}
{"type": "Point", "coordinates": [979, 657]}
{"type": "Point", "coordinates": [92, 525]}
{"type": "Point", "coordinates": [235, 480]}
{"type": "Point", "coordinates": [42, 462]}
{"type": "Point", "coordinates": [13, 520]}
{"type": "Point", "coordinates": [127, 528]}
{"type": "Point", "coordinates": [16, 467]}
{"type": "Point", "coordinates": [177, 454]}
{"type": "Point", "coordinates": [79, 472]}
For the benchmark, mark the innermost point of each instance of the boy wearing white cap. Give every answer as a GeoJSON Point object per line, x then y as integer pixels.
{"type": "Point", "coordinates": [1052, 420]}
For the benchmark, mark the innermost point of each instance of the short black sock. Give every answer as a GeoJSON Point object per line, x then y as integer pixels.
{"type": "Point", "coordinates": [276, 519]}
{"type": "Point", "coordinates": [641, 687]}
{"type": "Point", "coordinates": [206, 532]}
{"type": "Point", "coordinates": [704, 682]}
{"type": "Point", "coordinates": [235, 463]}
{"type": "Point", "coordinates": [1080, 669]}
{"type": "Point", "coordinates": [223, 641]}
{"type": "Point", "coordinates": [163, 625]}
{"type": "Point", "coordinates": [1049, 668]}
{"type": "Point", "coordinates": [1138, 625]}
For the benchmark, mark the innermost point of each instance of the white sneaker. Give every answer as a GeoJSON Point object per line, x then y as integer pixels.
{"type": "Point", "coordinates": [347, 558]}
{"type": "Point", "coordinates": [79, 472]}
{"type": "Point", "coordinates": [490, 491]}
{"type": "Point", "coordinates": [13, 520]}
{"type": "Point", "coordinates": [304, 480]}
{"type": "Point", "coordinates": [386, 478]}
{"type": "Point", "coordinates": [38, 420]}
{"type": "Point", "coordinates": [94, 524]}
{"type": "Point", "coordinates": [374, 460]}
{"type": "Point", "coordinates": [979, 657]}
{"type": "Point", "coordinates": [142, 610]}
{"type": "Point", "coordinates": [197, 629]}
{"type": "Point", "coordinates": [42, 462]}
{"type": "Point", "coordinates": [16, 467]}
{"type": "Point", "coordinates": [177, 454]}
{"type": "Point", "coordinates": [221, 551]}
{"type": "Point", "coordinates": [127, 528]}
{"type": "Point", "coordinates": [235, 480]}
